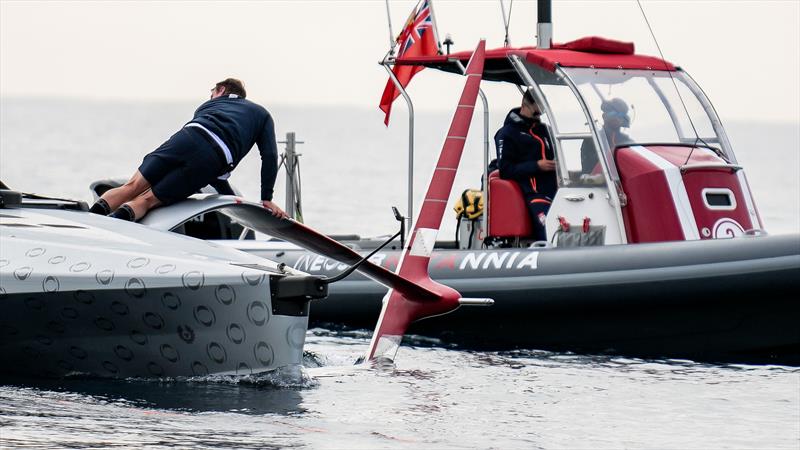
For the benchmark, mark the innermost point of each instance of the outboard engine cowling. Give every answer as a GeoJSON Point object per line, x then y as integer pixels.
{"type": "Point", "coordinates": [678, 192]}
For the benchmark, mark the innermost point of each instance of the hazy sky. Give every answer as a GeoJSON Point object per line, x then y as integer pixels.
{"type": "Point", "coordinates": [746, 55]}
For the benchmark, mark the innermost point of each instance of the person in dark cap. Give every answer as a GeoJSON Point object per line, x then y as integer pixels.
{"type": "Point", "coordinates": [203, 152]}
{"type": "Point", "coordinates": [615, 117]}
{"type": "Point", "coordinates": [525, 154]}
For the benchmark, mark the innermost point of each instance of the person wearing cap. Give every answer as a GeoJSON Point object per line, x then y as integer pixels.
{"type": "Point", "coordinates": [615, 117]}
{"type": "Point", "coordinates": [525, 155]}
{"type": "Point", "coordinates": [204, 151]}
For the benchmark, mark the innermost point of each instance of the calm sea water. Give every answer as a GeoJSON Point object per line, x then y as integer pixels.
{"type": "Point", "coordinates": [434, 397]}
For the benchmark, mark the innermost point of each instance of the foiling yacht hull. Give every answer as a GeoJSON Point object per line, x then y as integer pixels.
{"type": "Point", "coordinates": [88, 295]}
{"type": "Point", "coordinates": [165, 332]}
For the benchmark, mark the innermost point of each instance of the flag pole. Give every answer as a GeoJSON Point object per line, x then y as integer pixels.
{"type": "Point", "coordinates": [435, 27]}
{"type": "Point", "coordinates": [392, 41]}
{"type": "Point", "coordinates": [410, 183]}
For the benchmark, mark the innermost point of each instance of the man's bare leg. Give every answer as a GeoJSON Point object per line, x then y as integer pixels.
{"type": "Point", "coordinates": [143, 203]}
{"type": "Point", "coordinates": [127, 192]}
{"type": "Point", "coordinates": [136, 208]}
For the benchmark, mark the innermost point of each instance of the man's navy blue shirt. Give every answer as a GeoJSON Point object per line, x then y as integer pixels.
{"type": "Point", "coordinates": [241, 123]}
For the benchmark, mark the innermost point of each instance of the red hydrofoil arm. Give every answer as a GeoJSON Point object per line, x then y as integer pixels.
{"type": "Point", "coordinates": [400, 309]}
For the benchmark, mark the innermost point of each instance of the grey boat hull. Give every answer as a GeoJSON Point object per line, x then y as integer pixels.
{"type": "Point", "coordinates": [722, 300]}
{"type": "Point", "coordinates": [163, 333]}
{"type": "Point", "coordinates": [83, 294]}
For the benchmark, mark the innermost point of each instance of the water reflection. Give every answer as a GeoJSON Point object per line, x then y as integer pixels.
{"type": "Point", "coordinates": [178, 395]}
{"type": "Point", "coordinates": [516, 399]}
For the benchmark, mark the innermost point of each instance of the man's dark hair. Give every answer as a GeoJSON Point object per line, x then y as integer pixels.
{"type": "Point", "coordinates": [232, 86]}
{"type": "Point", "coordinates": [527, 97]}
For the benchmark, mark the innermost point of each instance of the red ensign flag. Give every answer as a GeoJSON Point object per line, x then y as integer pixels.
{"type": "Point", "coordinates": [417, 39]}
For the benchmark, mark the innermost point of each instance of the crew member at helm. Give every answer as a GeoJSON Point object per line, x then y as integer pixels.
{"type": "Point", "coordinates": [615, 117]}
{"type": "Point", "coordinates": [525, 155]}
{"type": "Point", "coordinates": [203, 152]}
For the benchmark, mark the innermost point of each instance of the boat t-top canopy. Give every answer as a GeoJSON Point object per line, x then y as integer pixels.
{"type": "Point", "coordinates": [535, 67]}
{"type": "Point", "coordinates": [588, 52]}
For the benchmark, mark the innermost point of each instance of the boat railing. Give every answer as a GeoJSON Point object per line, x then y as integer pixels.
{"type": "Point", "coordinates": [291, 160]}
{"type": "Point", "coordinates": [572, 136]}
{"type": "Point", "coordinates": [387, 63]}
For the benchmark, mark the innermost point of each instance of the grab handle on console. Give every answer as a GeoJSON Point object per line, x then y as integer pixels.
{"type": "Point", "coordinates": [718, 166]}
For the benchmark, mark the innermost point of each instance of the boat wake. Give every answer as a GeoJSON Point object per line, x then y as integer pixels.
{"type": "Point", "coordinates": [287, 377]}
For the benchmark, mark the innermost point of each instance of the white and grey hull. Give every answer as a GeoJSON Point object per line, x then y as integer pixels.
{"type": "Point", "coordinates": [157, 305]}
{"type": "Point", "coordinates": [164, 332]}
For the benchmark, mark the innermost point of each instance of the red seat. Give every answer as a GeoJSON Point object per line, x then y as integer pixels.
{"type": "Point", "coordinates": [508, 214]}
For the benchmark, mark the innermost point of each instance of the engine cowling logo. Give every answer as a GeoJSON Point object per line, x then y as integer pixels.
{"type": "Point", "coordinates": [727, 228]}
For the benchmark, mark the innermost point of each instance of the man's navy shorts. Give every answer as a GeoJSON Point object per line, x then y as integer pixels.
{"type": "Point", "coordinates": [181, 166]}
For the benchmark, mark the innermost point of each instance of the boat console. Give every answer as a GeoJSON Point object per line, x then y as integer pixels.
{"type": "Point", "coordinates": [678, 192]}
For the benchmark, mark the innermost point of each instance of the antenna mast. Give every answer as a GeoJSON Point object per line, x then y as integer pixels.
{"type": "Point", "coordinates": [391, 32]}
{"type": "Point", "coordinates": [506, 20]}
{"type": "Point", "coordinates": [544, 25]}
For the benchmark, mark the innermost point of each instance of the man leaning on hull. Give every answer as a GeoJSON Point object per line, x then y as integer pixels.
{"type": "Point", "coordinates": [203, 152]}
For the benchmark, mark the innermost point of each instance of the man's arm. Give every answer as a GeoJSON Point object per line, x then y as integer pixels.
{"type": "Point", "coordinates": [268, 148]}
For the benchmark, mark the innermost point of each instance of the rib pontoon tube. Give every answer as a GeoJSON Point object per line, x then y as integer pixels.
{"type": "Point", "coordinates": [727, 300]}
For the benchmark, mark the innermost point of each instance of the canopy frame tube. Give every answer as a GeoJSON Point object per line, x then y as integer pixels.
{"type": "Point", "coordinates": [711, 112]}
{"type": "Point", "coordinates": [612, 175]}
{"type": "Point", "coordinates": [410, 182]}
{"type": "Point", "coordinates": [613, 184]}
{"type": "Point", "coordinates": [485, 184]}
{"type": "Point", "coordinates": [387, 63]}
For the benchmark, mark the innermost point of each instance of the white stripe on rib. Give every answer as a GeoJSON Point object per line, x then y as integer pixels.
{"type": "Point", "coordinates": [678, 190]}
